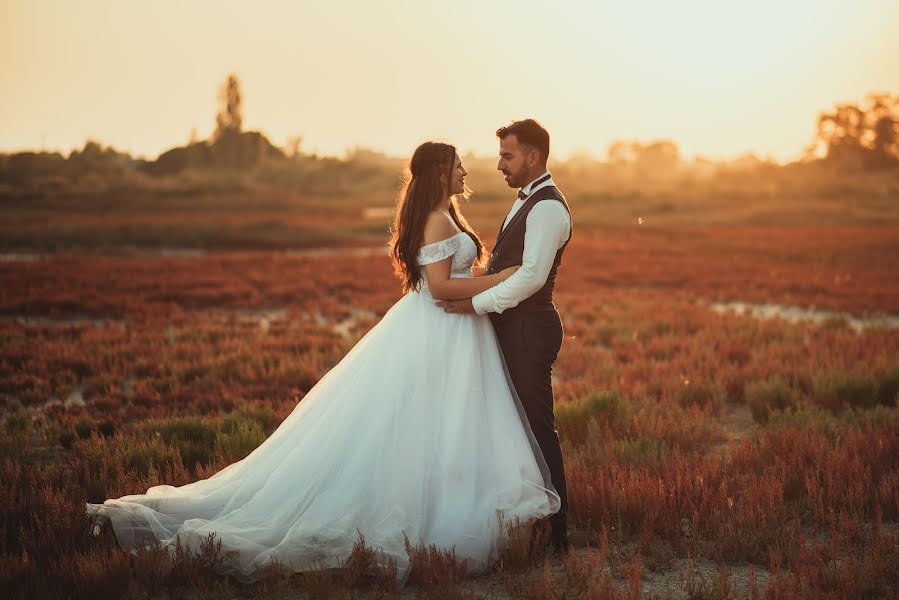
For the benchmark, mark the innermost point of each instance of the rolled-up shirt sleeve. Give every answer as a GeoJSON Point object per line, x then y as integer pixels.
{"type": "Point", "coordinates": [548, 225]}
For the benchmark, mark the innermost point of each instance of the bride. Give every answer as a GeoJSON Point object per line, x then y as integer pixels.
{"type": "Point", "coordinates": [417, 432]}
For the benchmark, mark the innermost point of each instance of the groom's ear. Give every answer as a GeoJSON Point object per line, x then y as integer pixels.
{"type": "Point", "coordinates": [533, 157]}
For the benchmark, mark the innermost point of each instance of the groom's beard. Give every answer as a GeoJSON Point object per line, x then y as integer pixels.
{"type": "Point", "coordinates": [517, 179]}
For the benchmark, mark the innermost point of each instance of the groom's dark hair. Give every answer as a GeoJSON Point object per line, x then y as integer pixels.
{"type": "Point", "coordinates": [528, 132]}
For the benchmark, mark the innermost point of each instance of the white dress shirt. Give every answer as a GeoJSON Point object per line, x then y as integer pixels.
{"type": "Point", "coordinates": [548, 227]}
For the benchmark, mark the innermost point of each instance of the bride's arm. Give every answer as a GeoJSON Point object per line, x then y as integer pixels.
{"type": "Point", "coordinates": [441, 285]}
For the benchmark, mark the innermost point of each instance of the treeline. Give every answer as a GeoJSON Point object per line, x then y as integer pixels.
{"type": "Point", "coordinates": [860, 136]}
{"type": "Point", "coordinates": [852, 138]}
{"type": "Point", "coordinates": [243, 161]}
{"type": "Point", "coordinates": [231, 159]}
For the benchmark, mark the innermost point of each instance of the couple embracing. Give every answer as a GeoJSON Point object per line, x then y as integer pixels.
{"type": "Point", "coordinates": [437, 426]}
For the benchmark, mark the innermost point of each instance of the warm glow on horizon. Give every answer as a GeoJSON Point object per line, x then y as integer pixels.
{"type": "Point", "coordinates": [719, 78]}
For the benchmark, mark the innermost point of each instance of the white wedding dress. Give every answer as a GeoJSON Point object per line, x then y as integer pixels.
{"type": "Point", "coordinates": [417, 431]}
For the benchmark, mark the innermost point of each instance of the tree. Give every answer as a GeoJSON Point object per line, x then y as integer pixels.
{"type": "Point", "coordinates": [230, 146]}
{"type": "Point", "coordinates": [864, 136]}
{"type": "Point", "coordinates": [230, 116]}
{"type": "Point", "coordinates": [884, 114]}
{"type": "Point", "coordinates": [292, 149]}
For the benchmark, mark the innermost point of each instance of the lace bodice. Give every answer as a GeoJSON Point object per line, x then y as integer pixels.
{"type": "Point", "coordinates": [460, 247]}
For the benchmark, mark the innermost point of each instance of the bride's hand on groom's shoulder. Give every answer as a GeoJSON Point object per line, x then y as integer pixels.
{"type": "Point", "coordinates": [477, 271]}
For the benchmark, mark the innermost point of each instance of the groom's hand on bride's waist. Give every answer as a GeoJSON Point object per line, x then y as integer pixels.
{"type": "Point", "coordinates": [456, 306]}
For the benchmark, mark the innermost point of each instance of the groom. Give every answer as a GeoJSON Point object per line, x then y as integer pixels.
{"type": "Point", "coordinates": [534, 235]}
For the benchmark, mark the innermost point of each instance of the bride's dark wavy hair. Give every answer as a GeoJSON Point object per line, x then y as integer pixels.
{"type": "Point", "coordinates": [423, 191]}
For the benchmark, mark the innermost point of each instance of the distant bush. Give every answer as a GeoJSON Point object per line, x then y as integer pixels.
{"type": "Point", "coordinates": [763, 397]}
{"type": "Point", "coordinates": [194, 437]}
{"type": "Point", "coordinates": [263, 415]}
{"type": "Point", "coordinates": [201, 440]}
{"type": "Point", "coordinates": [607, 408]}
{"type": "Point", "coordinates": [888, 388]}
{"type": "Point", "coordinates": [641, 451]}
{"type": "Point", "coordinates": [803, 415]}
{"type": "Point", "coordinates": [17, 422]}
{"type": "Point", "coordinates": [701, 394]}
{"type": "Point", "coordinates": [880, 417]}
{"type": "Point", "coordinates": [241, 150]}
{"type": "Point", "coordinates": [144, 456]}
{"type": "Point", "coordinates": [835, 390]}
{"type": "Point", "coordinates": [238, 437]}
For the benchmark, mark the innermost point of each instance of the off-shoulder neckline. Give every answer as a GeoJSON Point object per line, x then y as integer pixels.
{"type": "Point", "coordinates": [440, 241]}
{"type": "Point", "coordinates": [444, 239]}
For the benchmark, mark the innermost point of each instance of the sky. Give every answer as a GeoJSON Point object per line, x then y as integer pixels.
{"type": "Point", "coordinates": [719, 77]}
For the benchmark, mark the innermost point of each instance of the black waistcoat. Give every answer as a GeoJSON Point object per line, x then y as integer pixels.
{"type": "Point", "coordinates": [509, 249]}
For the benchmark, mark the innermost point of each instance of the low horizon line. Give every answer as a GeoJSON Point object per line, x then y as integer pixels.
{"type": "Point", "coordinates": [565, 157]}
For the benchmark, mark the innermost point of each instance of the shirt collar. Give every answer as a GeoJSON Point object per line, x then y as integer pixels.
{"type": "Point", "coordinates": [527, 189]}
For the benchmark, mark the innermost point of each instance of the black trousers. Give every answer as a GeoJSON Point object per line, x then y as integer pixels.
{"type": "Point", "coordinates": [530, 342]}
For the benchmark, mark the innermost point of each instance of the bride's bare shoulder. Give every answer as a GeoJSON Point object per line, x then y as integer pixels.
{"type": "Point", "coordinates": [439, 226]}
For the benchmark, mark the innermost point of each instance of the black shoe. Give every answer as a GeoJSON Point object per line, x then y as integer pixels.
{"type": "Point", "coordinates": [558, 537]}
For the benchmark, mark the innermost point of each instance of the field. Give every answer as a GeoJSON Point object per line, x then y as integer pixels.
{"type": "Point", "coordinates": [726, 391]}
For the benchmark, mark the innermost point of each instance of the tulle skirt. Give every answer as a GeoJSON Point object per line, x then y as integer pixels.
{"type": "Point", "coordinates": [416, 433]}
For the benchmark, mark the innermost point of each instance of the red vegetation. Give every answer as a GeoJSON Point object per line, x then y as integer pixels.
{"type": "Point", "coordinates": [687, 433]}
